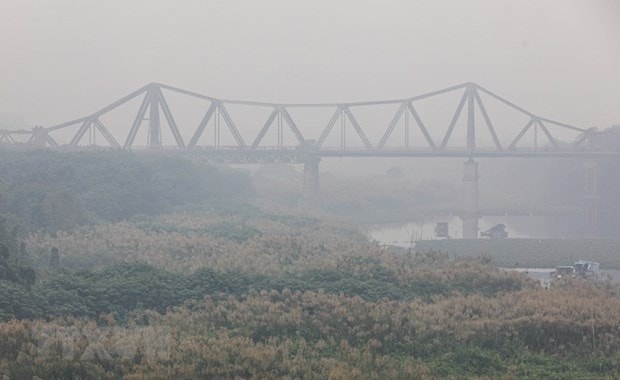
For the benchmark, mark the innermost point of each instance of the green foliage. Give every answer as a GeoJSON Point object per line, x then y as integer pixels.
{"type": "Point", "coordinates": [17, 302]}
{"type": "Point", "coordinates": [59, 190]}
{"type": "Point", "coordinates": [15, 264]}
{"type": "Point", "coordinates": [122, 288]}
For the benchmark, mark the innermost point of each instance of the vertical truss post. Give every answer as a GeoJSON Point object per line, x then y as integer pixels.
{"type": "Point", "coordinates": [280, 130]}
{"type": "Point", "coordinates": [343, 132]}
{"type": "Point", "coordinates": [406, 130]}
{"type": "Point", "coordinates": [470, 212]}
{"type": "Point", "coordinates": [591, 198]}
{"type": "Point", "coordinates": [154, 124]}
{"type": "Point", "coordinates": [137, 122]}
{"type": "Point", "coordinates": [471, 121]}
{"type": "Point", "coordinates": [216, 129]}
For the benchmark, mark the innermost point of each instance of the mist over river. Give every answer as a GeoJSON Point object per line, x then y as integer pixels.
{"type": "Point", "coordinates": [521, 226]}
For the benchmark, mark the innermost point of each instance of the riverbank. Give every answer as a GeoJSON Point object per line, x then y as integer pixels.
{"type": "Point", "coordinates": [533, 253]}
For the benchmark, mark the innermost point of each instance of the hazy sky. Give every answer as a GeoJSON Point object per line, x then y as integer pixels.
{"type": "Point", "coordinates": [64, 59]}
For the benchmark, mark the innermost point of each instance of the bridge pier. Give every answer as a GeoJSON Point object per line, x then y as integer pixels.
{"type": "Point", "coordinates": [591, 198]}
{"type": "Point", "coordinates": [310, 191]}
{"type": "Point", "coordinates": [470, 212]}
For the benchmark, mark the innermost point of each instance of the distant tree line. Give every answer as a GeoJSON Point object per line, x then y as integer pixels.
{"type": "Point", "coordinates": [58, 190]}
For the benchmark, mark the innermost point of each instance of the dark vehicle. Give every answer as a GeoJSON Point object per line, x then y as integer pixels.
{"type": "Point", "coordinates": [586, 268]}
{"type": "Point", "coordinates": [498, 231]}
{"type": "Point", "coordinates": [441, 230]}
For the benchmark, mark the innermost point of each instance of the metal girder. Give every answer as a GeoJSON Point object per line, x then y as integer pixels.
{"type": "Point", "coordinates": [421, 125]}
{"type": "Point", "coordinates": [156, 103]}
{"type": "Point", "coordinates": [514, 142]}
{"type": "Point", "coordinates": [231, 125]}
{"type": "Point", "coordinates": [6, 137]}
{"type": "Point", "coordinates": [203, 124]}
{"type": "Point", "coordinates": [329, 127]}
{"type": "Point", "coordinates": [265, 127]}
{"type": "Point", "coordinates": [546, 132]}
{"type": "Point", "coordinates": [106, 134]}
{"type": "Point", "coordinates": [81, 132]}
{"type": "Point", "coordinates": [154, 135]}
{"type": "Point", "coordinates": [391, 126]}
{"type": "Point", "coordinates": [282, 114]}
{"type": "Point", "coordinates": [471, 120]}
{"type": "Point", "coordinates": [528, 113]}
{"type": "Point", "coordinates": [357, 128]}
{"type": "Point", "coordinates": [50, 141]}
{"type": "Point", "coordinates": [487, 119]}
{"type": "Point", "coordinates": [455, 118]}
{"type": "Point", "coordinates": [102, 111]}
{"type": "Point", "coordinates": [168, 115]}
{"type": "Point", "coordinates": [289, 120]}
{"type": "Point", "coordinates": [137, 121]}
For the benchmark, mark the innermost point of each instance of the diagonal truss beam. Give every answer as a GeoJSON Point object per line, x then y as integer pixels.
{"type": "Point", "coordinates": [106, 134]}
{"type": "Point", "coordinates": [391, 126]}
{"type": "Point", "coordinates": [487, 119]}
{"type": "Point", "coordinates": [514, 142]}
{"type": "Point", "coordinates": [203, 124]}
{"type": "Point", "coordinates": [455, 118]}
{"type": "Point", "coordinates": [265, 128]}
{"type": "Point", "coordinates": [81, 132]}
{"type": "Point", "coordinates": [546, 132]}
{"type": "Point", "coordinates": [357, 128]}
{"type": "Point", "coordinates": [421, 125]}
{"type": "Point", "coordinates": [329, 126]}
{"type": "Point", "coordinates": [168, 115]}
{"type": "Point", "coordinates": [5, 136]}
{"type": "Point", "coordinates": [231, 125]}
{"type": "Point", "coordinates": [289, 120]}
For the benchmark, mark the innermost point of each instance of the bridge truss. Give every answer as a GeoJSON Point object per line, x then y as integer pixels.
{"type": "Point", "coordinates": [470, 117]}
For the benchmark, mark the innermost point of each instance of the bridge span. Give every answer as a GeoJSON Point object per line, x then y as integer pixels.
{"type": "Point", "coordinates": [306, 133]}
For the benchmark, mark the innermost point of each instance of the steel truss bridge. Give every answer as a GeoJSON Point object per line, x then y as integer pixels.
{"type": "Point", "coordinates": [417, 137]}
{"type": "Point", "coordinates": [337, 133]}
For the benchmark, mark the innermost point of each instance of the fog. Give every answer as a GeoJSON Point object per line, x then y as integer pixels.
{"type": "Point", "coordinates": [65, 59]}
{"type": "Point", "coordinates": [199, 263]}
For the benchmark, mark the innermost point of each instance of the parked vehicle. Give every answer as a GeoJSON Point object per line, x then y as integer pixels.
{"type": "Point", "coordinates": [581, 268]}
{"type": "Point", "coordinates": [498, 231]}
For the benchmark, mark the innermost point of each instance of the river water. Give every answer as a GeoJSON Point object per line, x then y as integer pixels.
{"type": "Point", "coordinates": [534, 227]}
